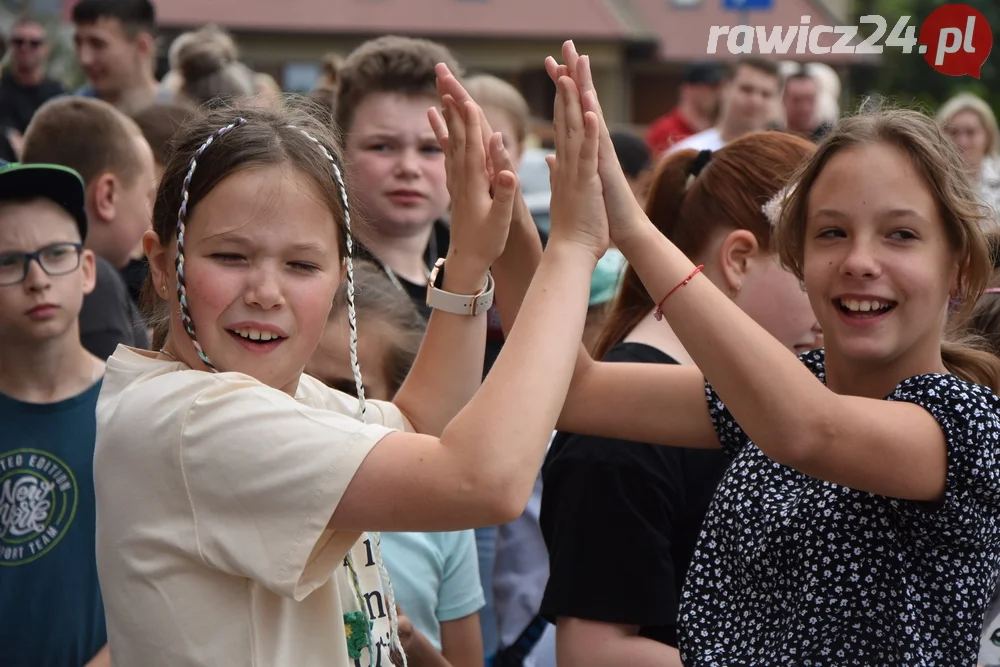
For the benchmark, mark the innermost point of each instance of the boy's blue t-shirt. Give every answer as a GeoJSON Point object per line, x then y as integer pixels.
{"type": "Point", "coordinates": [435, 577]}
{"type": "Point", "coordinates": [50, 598]}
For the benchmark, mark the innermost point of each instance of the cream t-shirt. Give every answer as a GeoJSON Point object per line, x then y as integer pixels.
{"type": "Point", "coordinates": [214, 492]}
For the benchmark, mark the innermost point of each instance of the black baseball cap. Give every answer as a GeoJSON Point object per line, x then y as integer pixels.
{"type": "Point", "coordinates": [54, 182]}
{"type": "Point", "coordinates": [705, 73]}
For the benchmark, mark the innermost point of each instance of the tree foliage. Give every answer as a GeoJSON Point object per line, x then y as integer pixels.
{"type": "Point", "coordinates": [908, 79]}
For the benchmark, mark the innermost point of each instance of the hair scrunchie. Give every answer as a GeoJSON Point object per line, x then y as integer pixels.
{"type": "Point", "coordinates": [699, 163]}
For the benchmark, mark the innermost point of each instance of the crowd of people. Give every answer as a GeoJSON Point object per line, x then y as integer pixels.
{"type": "Point", "coordinates": [310, 379]}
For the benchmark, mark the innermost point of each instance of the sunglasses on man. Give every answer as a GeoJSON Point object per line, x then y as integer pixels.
{"type": "Point", "coordinates": [21, 42]}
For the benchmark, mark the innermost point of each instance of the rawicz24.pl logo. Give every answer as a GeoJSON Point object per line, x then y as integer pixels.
{"type": "Point", "coordinates": [955, 39]}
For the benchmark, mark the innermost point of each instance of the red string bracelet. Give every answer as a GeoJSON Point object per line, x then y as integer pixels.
{"type": "Point", "coordinates": [658, 313]}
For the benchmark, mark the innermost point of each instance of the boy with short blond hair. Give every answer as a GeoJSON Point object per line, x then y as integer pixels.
{"type": "Point", "coordinates": [49, 385]}
{"type": "Point", "coordinates": [505, 108]}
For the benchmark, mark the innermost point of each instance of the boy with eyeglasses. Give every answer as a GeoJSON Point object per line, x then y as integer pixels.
{"type": "Point", "coordinates": [49, 383]}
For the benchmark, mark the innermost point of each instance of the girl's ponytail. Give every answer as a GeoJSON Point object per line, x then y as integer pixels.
{"type": "Point", "coordinates": [664, 208]}
{"type": "Point", "coordinates": [695, 196]}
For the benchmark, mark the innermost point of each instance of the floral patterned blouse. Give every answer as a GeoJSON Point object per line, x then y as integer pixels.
{"type": "Point", "coordinates": [793, 570]}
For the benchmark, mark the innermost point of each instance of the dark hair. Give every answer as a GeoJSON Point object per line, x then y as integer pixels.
{"type": "Point", "coordinates": [728, 194]}
{"type": "Point", "coordinates": [381, 307]}
{"type": "Point", "coordinates": [962, 212]}
{"type": "Point", "coordinates": [268, 138]}
{"type": "Point", "coordinates": [87, 135]}
{"type": "Point", "coordinates": [159, 123]}
{"type": "Point", "coordinates": [389, 64]}
{"type": "Point", "coordinates": [632, 152]}
{"type": "Point", "coordinates": [135, 15]}
{"type": "Point", "coordinates": [769, 67]}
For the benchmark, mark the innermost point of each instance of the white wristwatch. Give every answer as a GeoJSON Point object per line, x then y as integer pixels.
{"type": "Point", "coordinates": [459, 304]}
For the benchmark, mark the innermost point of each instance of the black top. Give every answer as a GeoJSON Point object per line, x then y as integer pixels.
{"type": "Point", "coordinates": [134, 274]}
{"type": "Point", "coordinates": [793, 570]}
{"type": "Point", "coordinates": [109, 316]}
{"type": "Point", "coordinates": [437, 247]}
{"type": "Point", "coordinates": [19, 103]}
{"type": "Point", "coordinates": [621, 520]}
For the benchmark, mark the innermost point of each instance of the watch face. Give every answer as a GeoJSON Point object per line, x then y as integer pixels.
{"type": "Point", "coordinates": [995, 637]}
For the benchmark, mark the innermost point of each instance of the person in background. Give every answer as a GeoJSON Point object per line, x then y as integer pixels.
{"type": "Point", "coordinates": [435, 575]}
{"type": "Point", "coordinates": [507, 112]}
{"type": "Point", "coordinates": [748, 101]}
{"type": "Point", "coordinates": [696, 111]}
{"type": "Point", "coordinates": [971, 124]}
{"type": "Point", "coordinates": [11, 140]}
{"type": "Point", "coordinates": [210, 69]}
{"type": "Point", "coordinates": [394, 159]}
{"type": "Point", "coordinates": [800, 99]}
{"type": "Point", "coordinates": [23, 85]}
{"type": "Point", "coordinates": [116, 47]}
{"type": "Point", "coordinates": [49, 384]}
{"type": "Point", "coordinates": [324, 94]}
{"type": "Point", "coordinates": [109, 151]}
{"type": "Point", "coordinates": [170, 85]}
{"type": "Point", "coordinates": [636, 161]}
{"type": "Point", "coordinates": [828, 101]}
{"type": "Point", "coordinates": [505, 108]}
{"type": "Point", "coordinates": [158, 123]}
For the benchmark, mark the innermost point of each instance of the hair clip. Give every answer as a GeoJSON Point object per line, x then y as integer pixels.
{"type": "Point", "coordinates": [774, 206]}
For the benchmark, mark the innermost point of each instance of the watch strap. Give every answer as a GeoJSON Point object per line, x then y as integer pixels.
{"type": "Point", "coordinates": [458, 304]}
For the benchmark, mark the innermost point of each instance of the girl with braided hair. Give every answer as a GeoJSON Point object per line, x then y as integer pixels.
{"type": "Point", "coordinates": [239, 500]}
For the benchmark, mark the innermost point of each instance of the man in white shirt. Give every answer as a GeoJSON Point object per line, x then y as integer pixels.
{"type": "Point", "coordinates": [748, 101]}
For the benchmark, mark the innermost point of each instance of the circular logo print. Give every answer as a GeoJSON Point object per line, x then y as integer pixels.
{"type": "Point", "coordinates": [38, 498]}
{"type": "Point", "coordinates": [956, 39]}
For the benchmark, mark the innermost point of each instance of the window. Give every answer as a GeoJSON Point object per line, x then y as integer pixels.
{"type": "Point", "coordinates": [300, 77]}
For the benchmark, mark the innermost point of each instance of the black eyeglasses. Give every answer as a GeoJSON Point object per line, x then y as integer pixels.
{"type": "Point", "coordinates": [57, 259]}
{"type": "Point", "coordinates": [22, 41]}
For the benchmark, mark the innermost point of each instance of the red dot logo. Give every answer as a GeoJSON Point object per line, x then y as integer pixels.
{"type": "Point", "coordinates": [955, 40]}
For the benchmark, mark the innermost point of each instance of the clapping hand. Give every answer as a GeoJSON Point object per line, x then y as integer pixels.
{"type": "Point", "coordinates": [622, 207]}
{"type": "Point", "coordinates": [577, 210]}
{"type": "Point", "coordinates": [482, 202]}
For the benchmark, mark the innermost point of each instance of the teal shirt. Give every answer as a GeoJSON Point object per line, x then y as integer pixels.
{"type": "Point", "coordinates": [435, 577]}
{"type": "Point", "coordinates": [50, 598]}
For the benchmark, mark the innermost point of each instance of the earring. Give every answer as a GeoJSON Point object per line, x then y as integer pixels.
{"type": "Point", "coordinates": [163, 288]}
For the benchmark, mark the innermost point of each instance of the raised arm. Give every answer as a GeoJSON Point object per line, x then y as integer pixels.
{"type": "Point", "coordinates": [444, 375]}
{"type": "Point", "coordinates": [516, 265]}
{"type": "Point", "coordinates": [892, 448]}
{"type": "Point", "coordinates": [640, 402]}
{"type": "Point", "coordinates": [482, 469]}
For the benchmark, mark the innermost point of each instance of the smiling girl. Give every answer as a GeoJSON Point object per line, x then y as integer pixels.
{"type": "Point", "coordinates": [858, 522]}
{"type": "Point", "coordinates": [234, 492]}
